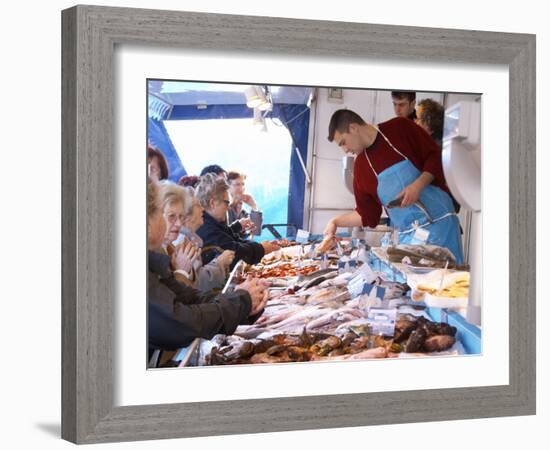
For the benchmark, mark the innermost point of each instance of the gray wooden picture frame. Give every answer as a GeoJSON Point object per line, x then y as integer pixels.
{"type": "Point", "coordinates": [90, 34]}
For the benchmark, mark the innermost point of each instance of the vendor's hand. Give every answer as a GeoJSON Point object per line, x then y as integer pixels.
{"type": "Point", "coordinates": [281, 242]}
{"type": "Point", "coordinates": [410, 194]}
{"type": "Point", "coordinates": [269, 247]}
{"type": "Point", "coordinates": [258, 294]}
{"type": "Point", "coordinates": [328, 243]}
{"type": "Point", "coordinates": [246, 223]}
{"type": "Point", "coordinates": [330, 229]}
{"type": "Point", "coordinates": [183, 257]}
{"type": "Point", "coordinates": [225, 259]}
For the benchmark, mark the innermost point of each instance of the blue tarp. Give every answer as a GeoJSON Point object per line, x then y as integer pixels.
{"type": "Point", "coordinates": [157, 136]}
{"type": "Point", "coordinates": [296, 119]}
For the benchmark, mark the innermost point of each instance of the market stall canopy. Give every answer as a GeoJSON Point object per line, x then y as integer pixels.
{"type": "Point", "coordinates": [166, 96]}
{"type": "Point", "coordinates": [177, 100]}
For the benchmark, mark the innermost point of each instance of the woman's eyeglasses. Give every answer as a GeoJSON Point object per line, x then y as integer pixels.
{"type": "Point", "coordinates": [172, 218]}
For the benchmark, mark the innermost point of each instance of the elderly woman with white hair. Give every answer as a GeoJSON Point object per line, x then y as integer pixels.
{"type": "Point", "coordinates": [213, 274]}
{"type": "Point", "coordinates": [213, 196]}
{"type": "Point", "coordinates": [178, 313]}
{"type": "Point", "coordinates": [183, 217]}
{"type": "Point", "coordinates": [184, 254]}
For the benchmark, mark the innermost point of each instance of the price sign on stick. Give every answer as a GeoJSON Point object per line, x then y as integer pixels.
{"type": "Point", "coordinates": [302, 236]}
{"type": "Point", "coordinates": [346, 265]}
{"type": "Point", "coordinates": [364, 276]}
{"type": "Point", "coordinates": [231, 275]}
{"type": "Point", "coordinates": [373, 291]}
{"type": "Point", "coordinates": [372, 296]}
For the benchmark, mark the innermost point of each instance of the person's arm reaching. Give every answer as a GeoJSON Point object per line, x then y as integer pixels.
{"type": "Point", "coordinates": [176, 325]}
{"type": "Point", "coordinates": [351, 219]}
{"type": "Point", "coordinates": [249, 251]}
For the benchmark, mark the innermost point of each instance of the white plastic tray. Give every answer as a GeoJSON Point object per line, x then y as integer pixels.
{"type": "Point", "coordinates": [435, 301]}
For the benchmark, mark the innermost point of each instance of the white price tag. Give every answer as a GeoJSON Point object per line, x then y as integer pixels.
{"type": "Point", "coordinates": [302, 236]}
{"type": "Point", "coordinates": [364, 276]}
{"type": "Point", "coordinates": [382, 321]}
{"type": "Point", "coordinates": [372, 296]}
{"type": "Point", "coordinates": [368, 274]}
{"type": "Point", "coordinates": [420, 236]}
{"type": "Point", "coordinates": [355, 286]}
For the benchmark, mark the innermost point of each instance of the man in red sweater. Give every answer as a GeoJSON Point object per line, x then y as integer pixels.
{"type": "Point", "coordinates": [396, 164]}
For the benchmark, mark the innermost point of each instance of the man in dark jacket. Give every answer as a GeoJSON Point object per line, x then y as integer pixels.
{"type": "Point", "coordinates": [212, 193]}
{"type": "Point", "coordinates": [177, 314]}
{"type": "Point", "coordinates": [404, 104]}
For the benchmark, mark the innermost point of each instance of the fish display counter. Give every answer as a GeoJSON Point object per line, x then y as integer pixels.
{"type": "Point", "coordinates": [340, 305]}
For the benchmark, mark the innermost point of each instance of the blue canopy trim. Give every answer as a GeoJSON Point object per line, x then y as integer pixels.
{"type": "Point", "coordinates": [206, 112]}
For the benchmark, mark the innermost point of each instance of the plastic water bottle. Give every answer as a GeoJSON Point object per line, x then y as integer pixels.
{"type": "Point", "coordinates": [395, 237]}
{"type": "Point", "coordinates": [385, 241]}
{"type": "Point", "coordinates": [362, 254]}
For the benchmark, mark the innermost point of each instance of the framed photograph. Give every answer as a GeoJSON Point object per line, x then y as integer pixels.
{"type": "Point", "coordinates": [130, 76]}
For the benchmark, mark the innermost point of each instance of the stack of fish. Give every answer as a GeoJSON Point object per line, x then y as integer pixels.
{"type": "Point", "coordinates": [312, 316]}
{"type": "Point", "coordinates": [413, 335]}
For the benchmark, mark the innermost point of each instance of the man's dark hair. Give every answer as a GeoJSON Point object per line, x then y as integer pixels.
{"type": "Point", "coordinates": [341, 120]}
{"type": "Point", "coordinates": [432, 116]}
{"type": "Point", "coordinates": [214, 168]}
{"type": "Point", "coordinates": [189, 181]}
{"type": "Point", "coordinates": [410, 96]}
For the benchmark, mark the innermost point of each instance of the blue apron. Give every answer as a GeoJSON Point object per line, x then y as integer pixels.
{"type": "Point", "coordinates": [442, 222]}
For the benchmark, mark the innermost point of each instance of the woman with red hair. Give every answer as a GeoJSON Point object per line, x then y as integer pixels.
{"type": "Point", "coordinates": [157, 166]}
